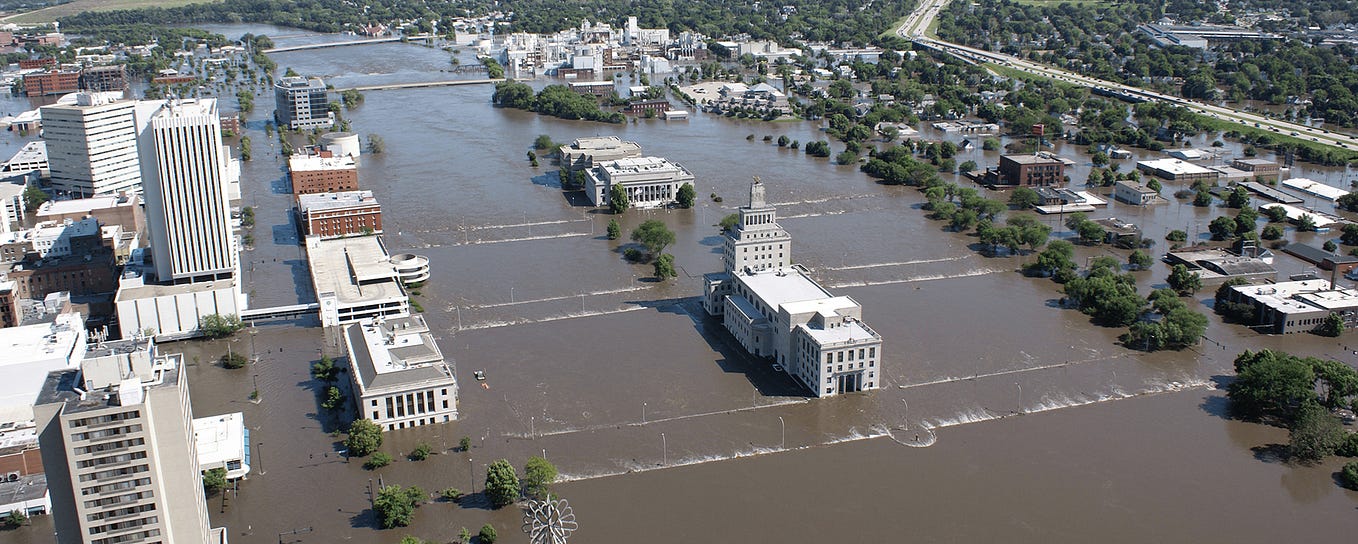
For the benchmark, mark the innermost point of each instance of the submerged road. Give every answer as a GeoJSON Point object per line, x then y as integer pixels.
{"type": "Point", "coordinates": [915, 28]}
{"type": "Point", "coordinates": [342, 44]}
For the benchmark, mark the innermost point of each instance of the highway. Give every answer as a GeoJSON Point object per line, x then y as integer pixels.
{"type": "Point", "coordinates": [915, 28]}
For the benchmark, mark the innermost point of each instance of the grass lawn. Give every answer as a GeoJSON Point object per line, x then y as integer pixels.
{"type": "Point", "coordinates": [50, 14]}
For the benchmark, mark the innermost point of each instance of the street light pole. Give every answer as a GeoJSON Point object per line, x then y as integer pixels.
{"type": "Point", "coordinates": [665, 450]}
{"type": "Point", "coordinates": [259, 457]}
{"type": "Point", "coordinates": [783, 426]}
{"type": "Point", "coordinates": [643, 413]}
{"type": "Point", "coordinates": [1020, 397]}
{"type": "Point", "coordinates": [470, 475]}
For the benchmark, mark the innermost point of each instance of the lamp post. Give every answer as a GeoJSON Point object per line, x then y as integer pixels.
{"type": "Point", "coordinates": [259, 457]}
{"type": "Point", "coordinates": [471, 476]}
{"type": "Point", "coordinates": [255, 377]}
{"type": "Point", "coordinates": [532, 427]}
{"type": "Point", "coordinates": [1020, 397]}
{"type": "Point", "coordinates": [783, 427]}
{"type": "Point", "coordinates": [643, 413]}
{"type": "Point", "coordinates": [664, 450]}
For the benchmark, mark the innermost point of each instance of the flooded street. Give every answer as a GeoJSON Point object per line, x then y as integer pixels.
{"type": "Point", "coordinates": [1002, 416]}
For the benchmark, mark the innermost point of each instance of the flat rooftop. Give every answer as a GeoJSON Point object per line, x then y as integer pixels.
{"type": "Point", "coordinates": [60, 388]}
{"type": "Point", "coordinates": [1295, 213]}
{"type": "Point", "coordinates": [1315, 188]}
{"type": "Point", "coordinates": [84, 205]}
{"type": "Point", "coordinates": [395, 353]}
{"type": "Point", "coordinates": [32, 152]}
{"type": "Point", "coordinates": [851, 332]}
{"type": "Point", "coordinates": [638, 165]}
{"type": "Point", "coordinates": [1032, 159]}
{"type": "Point", "coordinates": [335, 201]}
{"type": "Point", "coordinates": [597, 143]}
{"type": "Point", "coordinates": [26, 488]}
{"type": "Point", "coordinates": [1176, 167]}
{"type": "Point", "coordinates": [311, 163]}
{"type": "Point", "coordinates": [1270, 193]}
{"type": "Point", "coordinates": [782, 286]}
{"type": "Point", "coordinates": [31, 353]}
{"type": "Point", "coordinates": [220, 438]}
{"type": "Point", "coordinates": [136, 288]}
{"type": "Point", "coordinates": [355, 269]}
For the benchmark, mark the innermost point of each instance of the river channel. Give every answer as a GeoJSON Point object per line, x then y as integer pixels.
{"type": "Point", "coordinates": [1003, 417]}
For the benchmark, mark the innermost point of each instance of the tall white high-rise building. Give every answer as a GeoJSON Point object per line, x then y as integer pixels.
{"type": "Point", "coordinates": [187, 208]}
{"type": "Point", "coordinates": [118, 447]}
{"type": "Point", "coordinates": [92, 145]}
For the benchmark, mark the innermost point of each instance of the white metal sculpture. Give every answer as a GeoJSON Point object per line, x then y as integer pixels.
{"type": "Point", "coordinates": [549, 522]}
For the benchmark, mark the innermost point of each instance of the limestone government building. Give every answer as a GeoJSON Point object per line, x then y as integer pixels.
{"type": "Point", "coordinates": [776, 311]}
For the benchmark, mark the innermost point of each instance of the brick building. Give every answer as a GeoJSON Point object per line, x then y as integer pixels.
{"type": "Point", "coordinates": [335, 215]}
{"type": "Point", "coordinates": [54, 82]}
{"type": "Point", "coordinates": [322, 173]}
{"type": "Point", "coordinates": [641, 106]}
{"type": "Point", "coordinates": [1031, 170]}
{"type": "Point", "coordinates": [10, 315]}
{"type": "Point", "coordinates": [87, 274]}
{"type": "Point", "coordinates": [34, 64]}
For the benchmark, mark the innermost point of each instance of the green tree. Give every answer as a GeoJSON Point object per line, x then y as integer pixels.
{"type": "Point", "coordinates": [487, 534]}
{"type": "Point", "coordinates": [1176, 236]}
{"type": "Point", "coordinates": [990, 144]}
{"type": "Point", "coordinates": [1183, 281]}
{"type": "Point", "coordinates": [413, 540]}
{"type": "Point", "coordinates": [364, 438]}
{"type": "Point", "coordinates": [783, 141]}
{"type": "Point", "coordinates": [34, 197]}
{"type": "Point", "coordinates": [729, 222]}
{"type": "Point", "coordinates": [1054, 260]}
{"type": "Point", "coordinates": [1222, 227]}
{"type": "Point", "coordinates": [538, 475]}
{"type": "Point", "coordinates": [421, 452]}
{"type": "Point", "coordinates": [654, 235]}
{"type": "Point", "coordinates": [378, 460]}
{"type": "Point", "coordinates": [1202, 199]}
{"type": "Point", "coordinates": [502, 483]}
{"type": "Point", "coordinates": [1276, 214]}
{"type": "Point", "coordinates": [1092, 233]}
{"type": "Point", "coordinates": [544, 142]}
{"type": "Point", "coordinates": [1139, 260]}
{"type": "Point", "coordinates": [1307, 223]}
{"type": "Point", "coordinates": [14, 519]}
{"type": "Point", "coordinates": [1271, 384]}
{"type": "Point", "coordinates": [686, 195]}
{"type": "Point", "coordinates": [617, 199]}
{"type": "Point", "coordinates": [1329, 246]}
{"type": "Point", "coordinates": [664, 266]}
{"type": "Point", "coordinates": [1314, 434]}
{"type": "Point", "coordinates": [1239, 198]}
{"type": "Point", "coordinates": [1333, 326]}
{"type": "Point", "coordinates": [233, 360]}
{"type": "Point", "coordinates": [465, 444]}
{"type": "Point", "coordinates": [1348, 202]}
{"type": "Point", "coordinates": [464, 536]}
{"type": "Point", "coordinates": [376, 145]}
{"type": "Point", "coordinates": [395, 506]}
{"type": "Point", "coordinates": [1349, 475]}
{"type": "Point", "coordinates": [1350, 235]}
{"type": "Point", "coordinates": [333, 398]}
{"type": "Point", "coordinates": [1023, 198]}
{"type": "Point", "coordinates": [219, 326]}
{"type": "Point", "coordinates": [214, 480]}
{"type": "Point", "coordinates": [1271, 232]}
{"type": "Point", "coordinates": [325, 370]}
{"type": "Point", "coordinates": [451, 494]}
{"type": "Point", "coordinates": [614, 229]}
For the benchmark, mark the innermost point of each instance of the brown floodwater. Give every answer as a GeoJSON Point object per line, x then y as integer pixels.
{"type": "Point", "coordinates": [1002, 416]}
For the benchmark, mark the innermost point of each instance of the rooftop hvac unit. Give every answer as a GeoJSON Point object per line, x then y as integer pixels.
{"type": "Point", "coordinates": [12, 477]}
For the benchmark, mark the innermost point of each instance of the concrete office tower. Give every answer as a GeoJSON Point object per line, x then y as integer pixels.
{"type": "Point", "coordinates": [92, 145]}
{"type": "Point", "coordinates": [757, 242]}
{"type": "Point", "coordinates": [117, 443]}
{"type": "Point", "coordinates": [187, 213]}
{"type": "Point", "coordinates": [302, 103]}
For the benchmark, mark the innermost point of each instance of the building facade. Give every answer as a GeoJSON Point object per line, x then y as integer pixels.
{"type": "Point", "coordinates": [1258, 168]}
{"type": "Point", "coordinates": [322, 174]}
{"type": "Point", "coordinates": [1031, 171]}
{"type": "Point", "coordinates": [184, 167]}
{"type": "Point", "coordinates": [53, 82]}
{"type": "Point", "coordinates": [104, 78]}
{"type": "Point", "coordinates": [399, 375]}
{"type": "Point", "coordinates": [650, 182]}
{"type": "Point", "coordinates": [355, 279]}
{"type": "Point", "coordinates": [336, 215]}
{"type": "Point", "coordinates": [92, 145]}
{"type": "Point", "coordinates": [117, 443]}
{"type": "Point", "coordinates": [1132, 192]}
{"type": "Point", "coordinates": [778, 313]}
{"type": "Point", "coordinates": [1297, 306]}
{"type": "Point", "coordinates": [302, 103]}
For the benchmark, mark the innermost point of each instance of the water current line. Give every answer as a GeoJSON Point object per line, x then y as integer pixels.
{"type": "Point", "coordinates": [967, 274]}
{"type": "Point", "coordinates": [822, 200]}
{"type": "Point", "coordinates": [562, 297]}
{"type": "Point", "coordinates": [652, 421]}
{"type": "Point", "coordinates": [899, 263]}
{"type": "Point", "coordinates": [506, 240]}
{"type": "Point", "coordinates": [1012, 371]}
{"type": "Point", "coordinates": [536, 224]}
{"type": "Point", "coordinates": [525, 321]}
